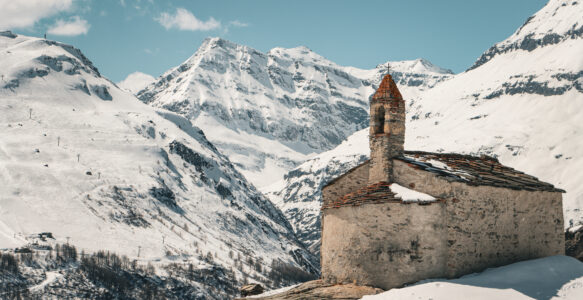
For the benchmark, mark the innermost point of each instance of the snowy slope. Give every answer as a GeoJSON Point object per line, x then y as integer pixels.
{"type": "Point", "coordinates": [555, 278]}
{"type": "Point", "coordinates": [270, 111]}
{"type": "Point", "coordinates": [299, 194]}
{"type": "Point", "coordinates": [135, 82]}
{"type": "Point", "coordinates": [523, 104]}
{"type": "Point", "coordinates": [90, 163]}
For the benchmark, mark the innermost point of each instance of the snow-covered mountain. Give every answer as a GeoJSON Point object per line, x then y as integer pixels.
{"type": "Point", "coordinates": [135, 82]}
{"type": "Point", "coordinates": [93, 165]}
{"type": "Point", "coordinates": [522, 101]}
{"type": "Point", "coordinates": [270, 111]}
{"type": "Point", "coordinates": [299, 194]}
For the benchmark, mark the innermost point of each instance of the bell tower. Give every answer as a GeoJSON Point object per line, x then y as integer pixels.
{"type": "Point", "coordinates": [387, 130]}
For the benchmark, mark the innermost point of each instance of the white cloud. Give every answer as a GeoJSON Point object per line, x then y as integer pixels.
{"type": "Point", "coordinates": [238, 23]}
{"type": "Point", "coordinates": [136, 82]}
{"type": "Point", "coordinates": [25, 13]}
{"type": "Point", "coordinates": [152, 51]}
{"type": "Point", "coordinates": [185, 20]}
{"type": "Point", "coordinates": [75, 26]}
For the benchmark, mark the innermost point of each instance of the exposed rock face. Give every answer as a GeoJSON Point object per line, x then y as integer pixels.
{"type": "Point", "coordinates": [558, 23]}
{"type": "Point", "coordinates": [319, 290]}
{"type": "Point", "coordinates": [251, 289]}
{"type": "Point", "coordinates": [574, 243]}
{"type": "Point", "coordinates": [530, 36]}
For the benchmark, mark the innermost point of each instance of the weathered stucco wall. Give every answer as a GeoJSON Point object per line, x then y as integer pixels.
{"type": "Point", "coordinates": [383, 245]}
{"type": "Point", "coordinates": [351, 181]}
{"type": "Point", "coordinates": [489, 226]}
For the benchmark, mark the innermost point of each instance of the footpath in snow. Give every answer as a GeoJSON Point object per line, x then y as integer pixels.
{"type": "Point", "coordinates": [51, 276]}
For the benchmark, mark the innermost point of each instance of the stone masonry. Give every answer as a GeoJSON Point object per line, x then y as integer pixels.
{"type": "Point", "coordinates": [484, 214]}
{"type": "Point", "coordinates": [387, 129]}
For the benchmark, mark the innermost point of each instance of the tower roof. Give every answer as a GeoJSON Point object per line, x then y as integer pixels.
{"type": "Point", "coordinates": [387, 90]}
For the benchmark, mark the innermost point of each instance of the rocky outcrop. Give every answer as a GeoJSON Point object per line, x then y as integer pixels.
{"type": "Point", "coordinates": [251, 289]}
{"type": "Point", "coordinates": [574, 243]}
{"type": "Point", "coordinates": [316, 289]}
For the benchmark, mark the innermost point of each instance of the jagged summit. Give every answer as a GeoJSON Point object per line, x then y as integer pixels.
{"type": "Point", "coordinates": [419, 65]}
{"type": "Point", "coordinates": [301, 53]}
{"type": "Point", "coordinates": [558, 18]}
{"type": "Point", "coordinates": [218, 43]}
{"type": "Point", "coordinates": [557, 22]}
{"type": "Point", "coordinates": [270, 111]}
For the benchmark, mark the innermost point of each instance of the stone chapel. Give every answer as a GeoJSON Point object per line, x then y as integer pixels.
{"type": "Point", "coordinates": [405, 216]}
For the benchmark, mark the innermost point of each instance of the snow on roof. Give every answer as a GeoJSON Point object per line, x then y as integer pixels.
{"type": "Point", "coordinates": [380, 192]}
{"type": "Point", "coordinates": [475, 170]}
{"type": "Point", "coordinates": [409, 195]}
{"type": "Point", "coordinates": [472, 170]}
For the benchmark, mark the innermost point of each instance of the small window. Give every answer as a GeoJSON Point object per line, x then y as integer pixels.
{"type": "Point", "coordinates": [380, 120]}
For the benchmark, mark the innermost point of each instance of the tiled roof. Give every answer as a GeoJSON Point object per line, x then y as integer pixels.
{"type": "Point", "coordinates": [375, 193]}
{"type": "Point", "coordinates": [474, 170]}
{"type": "Point", "coordinates": [379, 192]}
{"type": "Point", "coordinates": [387, 90]}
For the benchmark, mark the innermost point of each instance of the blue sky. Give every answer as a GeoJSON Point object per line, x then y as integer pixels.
{"type": "Point", "coordinates": [151, 36]}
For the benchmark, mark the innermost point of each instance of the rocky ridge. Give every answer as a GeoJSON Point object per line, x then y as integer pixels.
{"type": "Point", "coordinates": [270, 111]}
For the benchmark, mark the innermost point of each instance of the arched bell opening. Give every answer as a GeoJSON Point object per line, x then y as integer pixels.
{"type": "Point", "coordinates": [380, 120]}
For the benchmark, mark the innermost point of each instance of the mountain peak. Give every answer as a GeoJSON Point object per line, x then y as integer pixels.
{"type": "Point", "coordinates": [557, 21]}
{"type": "Point", "coordinates": [217, 42]}
{"type": "Point", "coordinates": [427, 65]}
{"type": "Point", "coordinates": [300, 53]}
{"type": "Point", "coordinates": [419, 65]}
{"type": "Point", "coordinates": [40, 59]}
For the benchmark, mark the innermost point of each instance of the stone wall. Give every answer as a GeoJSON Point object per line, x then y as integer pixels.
{"type": "Point", "coordinates": [380, 161]}
{"type": "Point", "coordinates": [490, 226]}
{"type": "Point", "coordinates": [384, 245]}
{"type": "Point", "coordinates": [351, 181]}
{"type": "Point", "coordinates": [470, 229]}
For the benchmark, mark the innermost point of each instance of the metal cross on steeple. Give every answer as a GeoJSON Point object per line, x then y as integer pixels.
{"type": "Point", "coordinates": [388, 68]}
